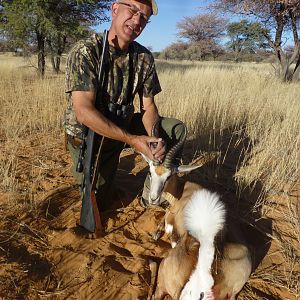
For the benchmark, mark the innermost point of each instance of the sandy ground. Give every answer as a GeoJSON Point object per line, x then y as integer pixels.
{"type": "Point", "coordinates": [45, 255]}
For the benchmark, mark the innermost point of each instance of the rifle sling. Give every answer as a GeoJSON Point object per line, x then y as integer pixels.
{"type": "Point", "coordinates": [97, 164]}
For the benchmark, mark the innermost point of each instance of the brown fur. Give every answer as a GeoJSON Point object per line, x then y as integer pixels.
{"type": "Point", "coordinates": [181, 191]}
{"type": "Point", "coordinates": [231, 271]}
{"type": "Point", "coordinates": [180, 260]}
{"type": "Point", "coordinates": [160, 170]}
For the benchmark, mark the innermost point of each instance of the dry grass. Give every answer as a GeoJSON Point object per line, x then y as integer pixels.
{"type": "Point", "coordinates": [29, 105]}
{"type": "Point", "coordinates": [247, 103]}
{"type": "Point", "coordinates": [236, 110]}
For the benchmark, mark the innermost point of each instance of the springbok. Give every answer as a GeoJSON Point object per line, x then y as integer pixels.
{"type": "Point", "coordinates": [195, 218]}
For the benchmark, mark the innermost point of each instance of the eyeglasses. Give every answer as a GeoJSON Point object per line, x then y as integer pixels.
{"type": "Point", "coordinates": [134, 11]}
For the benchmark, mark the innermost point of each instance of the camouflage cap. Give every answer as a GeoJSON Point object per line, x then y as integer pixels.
{"type": "Point", "coordinates": [154, 7]}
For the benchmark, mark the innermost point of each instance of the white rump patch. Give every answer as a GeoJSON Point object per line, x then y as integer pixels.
{"type": "Point", "coordinates": [204, 217]}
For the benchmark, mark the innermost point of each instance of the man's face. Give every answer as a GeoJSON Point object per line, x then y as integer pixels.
{"type": "Point", "coordinates": [129, 18]}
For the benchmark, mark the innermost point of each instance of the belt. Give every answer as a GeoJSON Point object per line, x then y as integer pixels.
{"type": "Point", "coordinates": [73, 140]}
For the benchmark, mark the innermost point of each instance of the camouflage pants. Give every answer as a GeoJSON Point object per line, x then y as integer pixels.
{"type": "Point", "coordinates": [171, 131]}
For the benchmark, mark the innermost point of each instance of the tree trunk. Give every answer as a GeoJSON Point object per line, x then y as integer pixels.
{"type": "Point", "coordinates": [56, 52]}
{"type": "Point", "coordinates": [296, 55]}
{"type": "Point", "coordinates": [55, 61]}
{"type": "Point", "coordinates": [41, 54]}
{"type": "Point", "coordinates": [296, 71]}
{"type": "Point", "coordinates": [285, 73]}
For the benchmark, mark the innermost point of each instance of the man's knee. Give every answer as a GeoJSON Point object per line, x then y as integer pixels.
{"type": "Point", "coordinates": [171, 130]}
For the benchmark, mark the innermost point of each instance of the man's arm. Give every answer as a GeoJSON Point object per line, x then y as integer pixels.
{"type": "Point", "coordinates": [87, 114]}
{"type": "Point", "coordinates": [150, 116]}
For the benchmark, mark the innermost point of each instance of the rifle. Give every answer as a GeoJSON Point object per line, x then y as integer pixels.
{"type": "Point", "coordinates": [87, 163]}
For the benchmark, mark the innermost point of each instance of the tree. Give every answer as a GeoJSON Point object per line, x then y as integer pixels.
{"type": "Point", "coordinates": [71, 20]}
{"type": "Point", "coordinates": [246, 37]}
{"type": "Point", "coordinates": [191, 50]}
{"type": "Point", "coordinates": [42, 22]}
{"type": "Point", "coordinates": [202, 27]}
{"type": "Point", "coordinates": [175, 51]}
{"type": "Point", "coordinates": [203, 49]}
{"type": "Point", "coordinates": [203, 32]}
{"type": "Point", "coordinates": [277, 17]}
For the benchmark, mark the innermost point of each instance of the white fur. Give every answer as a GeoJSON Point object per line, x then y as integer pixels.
{"type": "Point", "coordinates": [204, 217]}
{"type": "Point", "coordinates": [168, 228]}
{"type": "Point", "coordinates": [173, 244]}
{"type": "Point", "coordinates": [157, 183]}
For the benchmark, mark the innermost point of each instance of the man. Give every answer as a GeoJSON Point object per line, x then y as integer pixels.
{"type": "Point", "coordinates": [131, 71]}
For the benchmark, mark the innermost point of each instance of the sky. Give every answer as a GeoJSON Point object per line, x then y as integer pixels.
{"type": "Point", "coordinates": [161, 31]}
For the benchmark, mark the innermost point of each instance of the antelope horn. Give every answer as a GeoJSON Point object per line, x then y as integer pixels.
{"type": "Point", "coordinates": [174, 150]}
{"type": "Point", "coordinates": [155, 133]}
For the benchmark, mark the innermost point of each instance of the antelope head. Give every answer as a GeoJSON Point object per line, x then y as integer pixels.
{"type": "Point", "coordinates": [161, 172]}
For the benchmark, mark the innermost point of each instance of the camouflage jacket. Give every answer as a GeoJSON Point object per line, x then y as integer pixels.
{"type": "Point", "coordinates": [82, 75]}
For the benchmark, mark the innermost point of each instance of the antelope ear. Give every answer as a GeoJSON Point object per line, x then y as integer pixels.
{"type": "Point", "coordinates": [187, 168]}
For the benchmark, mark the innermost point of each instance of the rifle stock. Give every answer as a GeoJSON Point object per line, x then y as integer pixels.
{"type": "Point", "coordinates": [88, 163]}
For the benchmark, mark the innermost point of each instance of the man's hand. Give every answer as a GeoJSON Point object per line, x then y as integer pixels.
{"type": "Point", "coordinates": [158, 150]}
{"type": "Point", "coordinates": [144, 144]}
{"type": "Point", "coordinates": [150, 117]}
